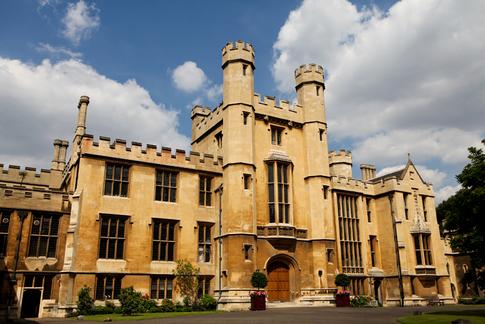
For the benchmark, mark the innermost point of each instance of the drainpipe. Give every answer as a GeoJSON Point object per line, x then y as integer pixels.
{"type": "Point", "coordinates": [219, 190]}
{"type": "Point", "coordinates": [396, 250]}
{"type": "Point", "coordinates": [13, 280]}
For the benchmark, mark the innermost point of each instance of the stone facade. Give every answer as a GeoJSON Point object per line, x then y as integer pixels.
{"type": "Point", "coordinates": [264, 194]}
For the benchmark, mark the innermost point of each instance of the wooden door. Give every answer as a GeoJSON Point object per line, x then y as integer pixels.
{"type": "Point", "coordinates": [279, 282]}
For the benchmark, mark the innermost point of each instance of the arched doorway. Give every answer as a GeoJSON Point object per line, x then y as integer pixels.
{"type": "Point", "coordinates": [278, 281]}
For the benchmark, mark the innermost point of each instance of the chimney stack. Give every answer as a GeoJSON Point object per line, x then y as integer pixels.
{"type": "Point", "coordinates": [368, 171]}
{"type": "Point", "coordinates": [81, 117]}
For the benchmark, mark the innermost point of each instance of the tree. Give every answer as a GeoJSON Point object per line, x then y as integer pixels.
{"type": "Point", "coordinates": [85, 302]}
{"type": "Point", "coordinates": [259, 280]}
{"type": "Point", "coordinates": [463, 214]}
{"type": "Point", "coordinates": [187, 280]}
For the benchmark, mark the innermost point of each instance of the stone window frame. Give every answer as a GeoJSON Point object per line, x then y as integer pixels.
{"type": "Point", "coordinates": [166, 190]}
{"type": "Point", "coordinates": [422, 248]}
{"type": "Point", "coordinates": [276, 135]}
{"type": "Point", "coordinates": [5, 218]}
{"type": "Point", "coordinates": [44, 234]}
{"type": "Point", "coordinates": [373, 250]}
{"type": "Point", "coordinates": [204, 285]}
{"type": "Point", "coordinates": [167, 242]}
{"type": "Point", "coordinates": [161, 287]}
{"type": "Point", "coordinates": [105, 238]}
{"type": "Point", "coordinates": [204, 242]}
{"type": "Point", "coordinates": [279, 195]}
{"type": "Point", "coordinates": [102, 280]}
{"type": "Point", "coordinates": [205, 190]}
{"type": "Point", "coordinates": [39, 280]}
{"type": "Point", "coordinates": [114, 185]}
{"type": "Point", "coordinates": [349, 233]}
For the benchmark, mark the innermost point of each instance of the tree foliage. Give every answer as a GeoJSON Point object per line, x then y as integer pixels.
{"type": "Point", "coordinates": [463, 214]}
{"type": "Point", "coordinates": [187, 280]}
{"type": "Point", "coordinates": [85, 303]}
{"type": "Point", "coordinates": [259, 280]}
{"type": "Point", "coordinates": [131, 301]}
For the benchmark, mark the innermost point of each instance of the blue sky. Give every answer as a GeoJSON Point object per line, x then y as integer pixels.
{"type": "Point", "coordinates": [401, 77]}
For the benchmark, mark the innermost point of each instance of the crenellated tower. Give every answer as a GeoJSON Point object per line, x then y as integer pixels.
{"type": "Point", "coordinates": [239, 218]}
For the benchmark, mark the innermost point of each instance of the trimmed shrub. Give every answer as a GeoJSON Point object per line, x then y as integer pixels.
{"type": "Point", "coordinates": [131, 301]}
{"type": "Point", "coordinates": [99, 310]}
{"type": "Point", "coordinates": [149, 305]}
{"type": "Point", "coordinates": [259, 279]}
{"type": "Point", "coordinates": [342, 280]}
{"type": "Point", "coordinates": [85, 303]}
{"type": "Point", "coordinates": [207, 302]}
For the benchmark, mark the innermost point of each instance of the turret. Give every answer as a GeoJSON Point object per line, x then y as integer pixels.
{"type": "Point", "coordinates": [309, 90]}
{"type": "Point", "coordinates": [341, 163]}
{"type": "Point", "coordinates": [238, 66]}
{"type": "Point", "coordinates": [198, 114]}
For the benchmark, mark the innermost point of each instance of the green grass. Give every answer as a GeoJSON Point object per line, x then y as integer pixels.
{"type": "Point", "coordinates": [473, 315]}
{"type": "Point", "coordinates": [143, 316]}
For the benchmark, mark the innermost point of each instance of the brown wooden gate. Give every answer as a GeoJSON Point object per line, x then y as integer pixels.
{"type": "Point", "coordinates": [278, 282]}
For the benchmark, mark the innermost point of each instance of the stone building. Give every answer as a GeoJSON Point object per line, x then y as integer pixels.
{"type": "Point", "coordinates": [258, 191]}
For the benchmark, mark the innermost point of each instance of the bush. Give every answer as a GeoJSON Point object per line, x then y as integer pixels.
{"type": "Point", "coordinates": [85, 303]}
{"type": "Point", "coordinates": [182, 308]}
{"type": "Point", "coordinates": [186, 281]}
{"type": "Point", "coordinates": [149, 305]}
{"type": "Point", "coordinates": [131, 301]}
{"type": "Point", "coordinates": [342, 280]}
{"type": "Point", "coordinates": [360, 301]}
{"type": "Point", "coordinates": [208, 302]}
{"type": "Point", "coordinates": [99, 310]}
{"type": "Point", "coordinates": [259, 280]}
{"type": "Point", "coordinates": [167, 306]}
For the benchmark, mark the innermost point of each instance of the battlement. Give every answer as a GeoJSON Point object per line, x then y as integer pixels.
{"type": "Point", "coordinates": [341, 182]}
{"type": "Point", "coordinates": [118, 149]}
{"type": "Point", "coordinates": [342, 156]}
{"type": "Point", "coordinates": [200, 111]}
{"type": "Point", "coordinates": [238, 51]}
{"type": "Point", "coordinates": [309, 73]}
{"type": "Point", "coordinates": [28, 176]}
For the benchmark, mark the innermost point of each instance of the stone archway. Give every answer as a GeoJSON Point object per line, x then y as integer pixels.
{"type": "Point", "coordinates": [283, 274]}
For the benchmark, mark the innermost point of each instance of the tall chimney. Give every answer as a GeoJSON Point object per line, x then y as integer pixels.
{"type": "Point", "coordinates": [62, 154]}
{"type": "Point", "coordinates": [55, 158]}
{"type": "Point", "coordinates": [81, 117]}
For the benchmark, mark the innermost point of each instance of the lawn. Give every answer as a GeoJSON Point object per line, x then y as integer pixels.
{"type": "Point", "coordinates": [143, 316]}
{"type": "Point", "coordinates": [473, 315]}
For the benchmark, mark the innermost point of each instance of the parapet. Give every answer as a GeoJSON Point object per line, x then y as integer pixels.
{"type": "Point", "coordinates": [238, 51]}
{"type": "Point", "coordinates": [278, 108]}
{"type": "Point", "coordinates": [309, 73]}
{"type": "Point", "coordinates": [118, 149]}
{"type": "Point", "coordinates": [200, 111]}
{"type": "Point", "coordinates": [26, 177]}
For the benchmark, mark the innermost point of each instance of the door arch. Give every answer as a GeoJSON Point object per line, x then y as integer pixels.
{"type": "Point", "coordinates": [278, 281]}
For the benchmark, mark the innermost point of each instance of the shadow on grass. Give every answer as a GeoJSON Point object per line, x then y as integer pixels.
{"type": "Point", "coordinates": [467, 312]}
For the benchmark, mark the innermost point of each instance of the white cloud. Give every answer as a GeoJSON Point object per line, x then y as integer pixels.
{"type": "Point", "coordinates": [39, 104]}
{"type": "Point", "coordinates": [408, 80]}
{"type": "Point", "coordinates": [446, 192]}
{"type": "Point", "coordinates": [80, 21]}
{"type": "Point", "coordinates": [58, 52]}
{"type": "Point", "coordinates": [188, 77]}
{"type": "Point", "coordinates": [433, 176]}
{"type": "Point", "coordinates": [214, 92]}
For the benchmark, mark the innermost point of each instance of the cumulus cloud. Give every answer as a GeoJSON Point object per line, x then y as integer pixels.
{"type": "Point", "coordinates": [80, 21]}
{"type": "Point", "coordinates": [446, 192]}
{"type": "Point", "coordinates": [58, 52]}
{"type": "Point", "coordinates": [39, 104]}
{"type": "Point", "coordinates": [188, 77]}
{"type": "Point", "coordinates": [407, 80]}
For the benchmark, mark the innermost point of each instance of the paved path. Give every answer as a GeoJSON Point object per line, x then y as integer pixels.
{"type": "Point", "coordinates": [302, 315]}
